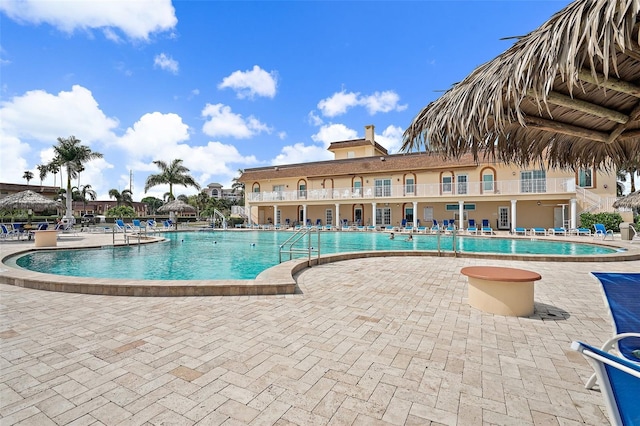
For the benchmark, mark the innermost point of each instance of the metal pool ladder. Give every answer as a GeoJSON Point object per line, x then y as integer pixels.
{"type": "Point", "coordinates": [298, 236]}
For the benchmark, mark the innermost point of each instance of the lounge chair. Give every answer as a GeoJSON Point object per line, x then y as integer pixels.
{"type": "Point", "coordinates": [486, 229]}
{"type": "Point", "coordinates": [619, 383]}
{"type": "Point", "coordinates": [580, 231]}
{"type": "Point", "coordinates": [7, 233]}
{"type": "Point", "coordinates": [520, 231]}
{"type": "Point", "coordinates": [137, 225]}
{"type": "Point", "coordinates": [120, 226]}
{"type": "Point", "coordinates": [435, 227]}
{"type": "Point", "coordinates": [421, 229]}
{"type": "Point", "coordinates": [557, 231]}
{"type": "Point", "coordinates": [537, 231]}
{"type": "Point", "coordinates": [602, 231]}
{"type": "Point", "coordinates": [621, 297]}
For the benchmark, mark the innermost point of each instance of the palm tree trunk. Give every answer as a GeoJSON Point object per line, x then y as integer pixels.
{"type": "Point", "coordinates": [69, 200]}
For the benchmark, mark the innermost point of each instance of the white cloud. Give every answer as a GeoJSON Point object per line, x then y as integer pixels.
{"type": "Point", "coordinates": [382, 102]}
{"type": "Point", "coordinates": [43, 117]}
{"type": "Point", "coordinates": [136, 19]}
{"type": "Point", "coordinates": [248, 84]}
{"type": "Point", "coordinates": [391, 138]}
{"type": "Point", "coordinates": [314, 119]}
{"type": "Point", "coordinates": [334, 132]}
{"type": "Point", "coordinates": [166, 63]}
{"type": "Point", "coordinates": [223, 122]}
{"type": "Point", "coordinates": [153, 133]}
{"type": "Point", "coordinates": [13, 163]}
{"type": "Point", "coordinates": [301, 153]}
{"type": "Point", "coordinates": [340, 102]}
{"type": "Point", "coordinates": [214, 159]}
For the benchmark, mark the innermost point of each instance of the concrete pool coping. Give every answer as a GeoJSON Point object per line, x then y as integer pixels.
{"type": "Point", "coordinates": [277, 280]}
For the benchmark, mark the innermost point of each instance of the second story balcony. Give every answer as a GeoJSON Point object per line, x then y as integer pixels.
{"type": "Point", "coordinates": [422, 191]}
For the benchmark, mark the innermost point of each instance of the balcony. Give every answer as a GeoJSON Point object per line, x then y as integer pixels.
{"type": "Point", "coordinates": [373, 193]}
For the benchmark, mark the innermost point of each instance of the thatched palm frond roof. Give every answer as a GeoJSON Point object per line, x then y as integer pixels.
{"type": "Point", "coordinates": [631, 201]}
{"type": "Point", "coordinates": [568, 93]}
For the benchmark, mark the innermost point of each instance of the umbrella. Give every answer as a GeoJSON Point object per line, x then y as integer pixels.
{"type": "Point", "coordinates": [176, 206]}
{"type": "Point", "coordinates": [28, 200]}
{"type": "Point", "coordinates": [629, 202]}
{"type": "Point", "coordinates": [566, 93]}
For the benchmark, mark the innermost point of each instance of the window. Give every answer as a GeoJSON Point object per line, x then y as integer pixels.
{"type": "Point", "coordinates": [278, 217]}
{"type": "Point", "coordinates": [462, 184]}
{"type": "Point", "coordinates": [279, 189]}
{"type": "Point", "coordinates": [328, 216]}
{"type": "Point", "coordinates": [487, 182]}
{"type": "Point", "coordinates": [302, 190]}
{"type": "Point", "coordinates": [533, 181]}
{"type": "Point", "coordinates": [585, 178]}
{"type": "Point", "coordinates": [409, 186]}
{"type": "Point", "coordinates": [256, 188]}
{"type": "Point", "coordinates": [383, 187]}
{"type": "Point", "coordinates": [446, 183]}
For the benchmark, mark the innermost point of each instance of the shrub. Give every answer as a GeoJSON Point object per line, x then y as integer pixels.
{"type": "Point", "coordinates": [609, 220]}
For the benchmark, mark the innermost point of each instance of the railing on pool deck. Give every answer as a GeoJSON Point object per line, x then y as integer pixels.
{"type": "Point", "coordinates": [296, 237]}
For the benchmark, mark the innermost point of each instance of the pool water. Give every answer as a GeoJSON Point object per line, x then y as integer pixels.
{"type": "Point", "coordinates": [221, 255]}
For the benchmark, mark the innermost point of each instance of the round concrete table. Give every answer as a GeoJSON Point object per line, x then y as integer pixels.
{"type": "Point", "coordinates": [501, 291]}
{"type": "Point", "coordinates": [46, 238]}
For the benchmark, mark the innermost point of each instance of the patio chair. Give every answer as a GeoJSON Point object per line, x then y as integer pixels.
{"type": "Point", "coordinates": [486, 228]}
{"type": "Point", "coordinates": [580, 231]}
{"type": "Point", "coordinates": [520, 231]}
{"type": "Point", "coordinates": [557, 231]}
{"type": "Point", "coordinates": [602, 231]}
{"type": "Point", "coordinates": [620, 292]}
{"type": "Point", "coordinates": [7, 233]}
{"type": "Point", "coordinates": [537, 231]}
{"type": "Point", "coordinates": [435, 227]}
{"type": "Point", "coordinates": [120, 226]}
{"type": "Point", "coordinates": [619, 383]}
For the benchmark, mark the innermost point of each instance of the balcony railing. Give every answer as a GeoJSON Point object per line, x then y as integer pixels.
{"type": "Point", "coordinates": [510, 187]}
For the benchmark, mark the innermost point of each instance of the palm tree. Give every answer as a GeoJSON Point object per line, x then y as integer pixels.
{"type": "Point", "coordinates": [121, 197]}
{"type": "Point", "coordinates": [27, 176]}
{"type": "Point", "coordinates": [238, 186]}
{"type": "Point", "coordinates": [87, 191]}
{"type": "Point", "coordinates": [70, 154]}
{"type": "Point", "coordinates": [172, 174]}
{"type": "Point", "coordinates": [42, 171]}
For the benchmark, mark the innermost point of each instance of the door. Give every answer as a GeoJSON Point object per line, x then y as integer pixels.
{"type": "Point", "coordinates": [503, 217]}
{"type": "Point", "coordinates": [357, 215]}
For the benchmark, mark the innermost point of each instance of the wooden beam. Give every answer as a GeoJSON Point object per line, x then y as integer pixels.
{"type": "Point", "coordinates": [565, 129]}
{"type": "Point", "coordinates": [620, 128]}
{"type": "Point", "coordinates": [556, 98]}
{"type": "Point", "coordinates": [611, 83]}
{"type": "Point", "coordinates": [633, 136]}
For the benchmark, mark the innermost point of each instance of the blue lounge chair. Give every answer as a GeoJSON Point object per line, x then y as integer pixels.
{"type": "Point", "coordinates": [580, 231]}
{"type": "Point", "coordinates": [602, 231]}
{"type": "Point", "coordinates": [557, 231]}
{"type": "Point", "coordinates": [619, 383]}
{"type": "Point", "coordinates": [120, 226]}
{"type": "Point", "coordinates": [435, 227]}
{"type": "Point", "coordinates": [486, 228]}
{"type": "Point", "coordinates": [621, 297]}
{"type": "Point", "coordinates": [537, 231]}
{"type": "Point", "coordinates": [520, 231]}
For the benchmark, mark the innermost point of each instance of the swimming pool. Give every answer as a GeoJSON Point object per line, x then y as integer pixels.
{"type": "Point", "coordinates": [220, 255]}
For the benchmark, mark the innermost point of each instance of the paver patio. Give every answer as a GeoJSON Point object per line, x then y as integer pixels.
{"type": "Point", "coordinates": [366, 341]}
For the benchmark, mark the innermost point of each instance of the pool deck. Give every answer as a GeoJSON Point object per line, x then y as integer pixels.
{"type": "Point", "coordinates": [360, 342]}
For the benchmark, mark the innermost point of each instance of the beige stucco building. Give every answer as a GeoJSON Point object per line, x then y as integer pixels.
{"type": "Point", "coordinates": [365, 185]}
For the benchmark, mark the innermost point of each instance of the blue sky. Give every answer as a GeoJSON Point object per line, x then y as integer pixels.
{"type": "Point", "coordinates": [228, 85]}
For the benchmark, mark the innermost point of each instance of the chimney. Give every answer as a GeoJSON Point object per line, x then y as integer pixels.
{"type": "Point", "coordinates": [369, 133]}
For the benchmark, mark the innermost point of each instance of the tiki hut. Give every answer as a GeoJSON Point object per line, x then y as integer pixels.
{"type": "Point", "coordinates": [568, 94]}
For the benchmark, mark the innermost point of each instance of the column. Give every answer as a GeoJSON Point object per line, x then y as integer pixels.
{"type": "Point", "coordinates": [573, 211]}
{"type": "Point", "coordinates": [415, 214]}
{"type": "Point", "coordinates": [247, 211]}
{"type": "Point", "coordinates": [338, 224]}
{"type": "Point", "coordinates": [461, 214]}
{"type": "Point", "coordinates": [373, 214]}
{"type": "Point", "coordinates": [513, 215]}
{"type": "Point", "coordinates": [304, 215]}
{"type": "Point", "coordinates": [275, 215]}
